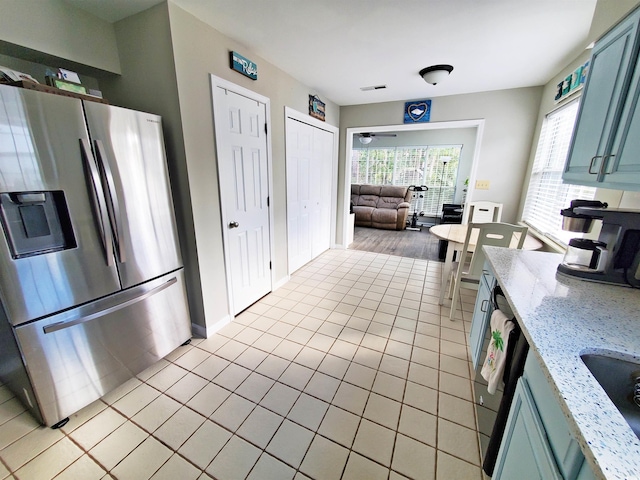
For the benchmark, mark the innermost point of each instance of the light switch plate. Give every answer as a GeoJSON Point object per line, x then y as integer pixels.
{"type": "Point", "coordinates": [482, 184]}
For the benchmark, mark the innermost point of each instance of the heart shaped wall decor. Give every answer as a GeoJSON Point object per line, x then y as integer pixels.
{"type": "Point", "coordinates": [417, 110]}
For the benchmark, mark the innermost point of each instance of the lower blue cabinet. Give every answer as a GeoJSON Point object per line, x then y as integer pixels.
{"type": "Point", "coordinates": [564, 446]}
{"type": "Point", "coordinates": [537, 442]}
{"type": "Point", "coordinates": [525, 452]}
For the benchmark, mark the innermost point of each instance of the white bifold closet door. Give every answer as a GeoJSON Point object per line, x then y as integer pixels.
{"type": "Point", "coordinates": [309, 190]}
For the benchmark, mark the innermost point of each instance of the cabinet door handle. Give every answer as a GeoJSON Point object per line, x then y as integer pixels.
{"type": "Point", "coordinates": [593, 159]}
{"type": "Point", "coordinates": [483, 305]}
{"type": "Point", "coordinates": [605, 164]}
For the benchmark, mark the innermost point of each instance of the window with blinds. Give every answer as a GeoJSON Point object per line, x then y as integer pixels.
{"type": "Point", "coordinates": [435, 166]}
{"type": "Point", "coordinates": [547, 195]}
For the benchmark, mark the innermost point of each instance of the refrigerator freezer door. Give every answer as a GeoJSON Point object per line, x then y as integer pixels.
{"type": "Point", "coordinates": [77, 356]}
{"type": "Point", "coordinates": [41, 138]}
{"type": "Point", "coordinates": [130, 148]}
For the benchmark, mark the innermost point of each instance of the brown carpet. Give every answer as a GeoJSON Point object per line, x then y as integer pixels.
{"type": "Point", "coordinates": [403, 243]}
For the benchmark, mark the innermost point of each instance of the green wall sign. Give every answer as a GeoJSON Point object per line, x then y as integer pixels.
{"type": "Point", "coordinates": [244, 65]}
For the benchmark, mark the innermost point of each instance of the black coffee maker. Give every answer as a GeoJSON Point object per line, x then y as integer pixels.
{"type": "Point", "coordinates": [614, 256]}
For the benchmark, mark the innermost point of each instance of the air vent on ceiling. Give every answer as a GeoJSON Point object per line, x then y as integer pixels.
{"type": "Point", "coordinates": [374, 87]}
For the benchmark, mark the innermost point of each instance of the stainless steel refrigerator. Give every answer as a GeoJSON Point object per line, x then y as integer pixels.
{"type": "Point", "coordinates": [91, 287]}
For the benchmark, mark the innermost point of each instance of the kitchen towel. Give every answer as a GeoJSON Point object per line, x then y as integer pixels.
{"type": "Point", "coordinates": [494, 364]}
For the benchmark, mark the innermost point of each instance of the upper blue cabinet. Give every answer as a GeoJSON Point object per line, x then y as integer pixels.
{"type": "Point", "coordinates": [605, 148]}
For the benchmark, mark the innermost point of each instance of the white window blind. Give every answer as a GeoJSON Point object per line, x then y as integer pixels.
{"type": "Point", "coordinates": [547, 195]}
{"type": "Point", "coordinates": [435, 166]}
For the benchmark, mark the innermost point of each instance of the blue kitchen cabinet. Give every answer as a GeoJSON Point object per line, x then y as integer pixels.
{"type": "Point", "coordinates": [525, 452]}
{"type": "Point", "coordinates": [537, 435]}
{"type": "Point", "coordinates": [564, 446]}
{"type": "Point", "coordinates": [605, 148]}
{"type": "Point", "coordinates": [586, 473]}
{"type": "Point", "coordinates": [624, 172]}
{"type": "Point", "coordinates": [481, 315]}
{"type": "Point", "coordinates": [537, 442]}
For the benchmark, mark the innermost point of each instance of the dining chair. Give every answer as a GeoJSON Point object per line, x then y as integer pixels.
{"type": "Point", "coordinates": [469, 273]}
{"type": "Point", "coordinates": [482, 212]}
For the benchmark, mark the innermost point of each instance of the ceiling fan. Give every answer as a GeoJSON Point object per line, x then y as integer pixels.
{"type": "Point", "coordinates": [366, 138]}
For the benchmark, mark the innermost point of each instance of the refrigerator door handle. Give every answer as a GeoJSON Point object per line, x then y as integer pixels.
{"type": "Point", "coordinates": [99, 202]}
{"type": "Point", "coordinates": [114, 211]}
{"type": "Point", "coordinates": [54, 327]}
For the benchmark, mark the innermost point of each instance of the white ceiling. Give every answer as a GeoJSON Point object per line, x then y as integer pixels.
{"type": "Point", "coordinates": [338, 46]}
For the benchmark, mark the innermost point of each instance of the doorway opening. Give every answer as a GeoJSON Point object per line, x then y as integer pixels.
{"type": "Point", "coordinates": [451, 131]}
{"type": "Point", "coordinates": [430, 172]}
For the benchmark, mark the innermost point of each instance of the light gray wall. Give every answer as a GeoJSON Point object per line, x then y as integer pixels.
{"type": "Point", "coordinates": [54, 30]}
{"type": "Point", "coordinates": [510, 119]}
{"type": "Point", "coordinates": [199, 50]}
{"type": "Point", "coordinates": [607, 14]}
{"type": "Point", "coordinates": [459, 136]}
{"type": "Point", "coordinates": [167, 58]}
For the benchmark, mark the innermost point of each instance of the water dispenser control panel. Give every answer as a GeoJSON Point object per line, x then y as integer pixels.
{"type": "Point", "coordinates": [35, 223]}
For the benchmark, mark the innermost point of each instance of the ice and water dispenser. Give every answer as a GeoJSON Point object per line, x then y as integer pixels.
{"type": "Point", "coordinates": [35, 223]}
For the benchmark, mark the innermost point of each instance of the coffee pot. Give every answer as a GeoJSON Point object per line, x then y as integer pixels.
{"type": "Point", "coordinates": [615, 256]}
{"type": "Point", "coordinates": [586, 255]}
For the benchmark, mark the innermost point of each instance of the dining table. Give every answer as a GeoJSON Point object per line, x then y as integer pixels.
{"type": "Point", "coordinates": [455, 235]}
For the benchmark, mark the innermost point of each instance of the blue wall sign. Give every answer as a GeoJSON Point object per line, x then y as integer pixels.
{"type": "Point", "coordinates": [418, 111]}
{"type": "Point", "coordinates": [244, 65]}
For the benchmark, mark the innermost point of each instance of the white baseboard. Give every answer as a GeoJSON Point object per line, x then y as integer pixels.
{"type": "Point", "coordinates": [281, 282]}
{"type": "Point", "coordinates": [206, 332]}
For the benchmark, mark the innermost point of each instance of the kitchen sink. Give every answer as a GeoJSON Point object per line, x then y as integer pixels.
{"type": "Point", "coordinates": [620, 379]}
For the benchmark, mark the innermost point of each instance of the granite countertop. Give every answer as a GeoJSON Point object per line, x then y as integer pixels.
{"type": "Point", "coordinates": [563, 317]}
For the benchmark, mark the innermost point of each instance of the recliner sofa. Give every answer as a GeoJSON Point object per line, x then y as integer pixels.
{"type": "Point", "coordinates": [380, 206]}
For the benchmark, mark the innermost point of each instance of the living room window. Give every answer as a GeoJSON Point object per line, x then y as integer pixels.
{"type": "Point", "coordinates": [435, 166]}
{"type": "Point", "coordinates": [547, 195]}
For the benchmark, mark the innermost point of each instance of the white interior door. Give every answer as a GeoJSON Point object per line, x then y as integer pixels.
{"type": "Point", "coordinates": [311, 159]}
{"type": "Point", "coordinates": [240, 125]}
{"type": "Point", "coordinates": [299, 162]}
{"type": "Point", "coordinates": [321, 191]}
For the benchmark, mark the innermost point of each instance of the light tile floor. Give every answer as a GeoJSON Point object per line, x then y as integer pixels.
{"type": "Point", "coordinates": [349, 371]}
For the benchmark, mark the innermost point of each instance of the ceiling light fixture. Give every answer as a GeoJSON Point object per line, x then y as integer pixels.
{"type": "Point", "coordinates": [365, 140]}
{"type": "Point", "coordinates": [435, 73]}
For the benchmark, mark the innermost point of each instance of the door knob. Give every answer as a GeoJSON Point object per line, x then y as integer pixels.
{"type": "Point", "coordinates": [234, 224]}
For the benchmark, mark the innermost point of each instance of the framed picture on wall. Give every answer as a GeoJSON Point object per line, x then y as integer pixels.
{"type": "Point", "coordinates": [418, 111]}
